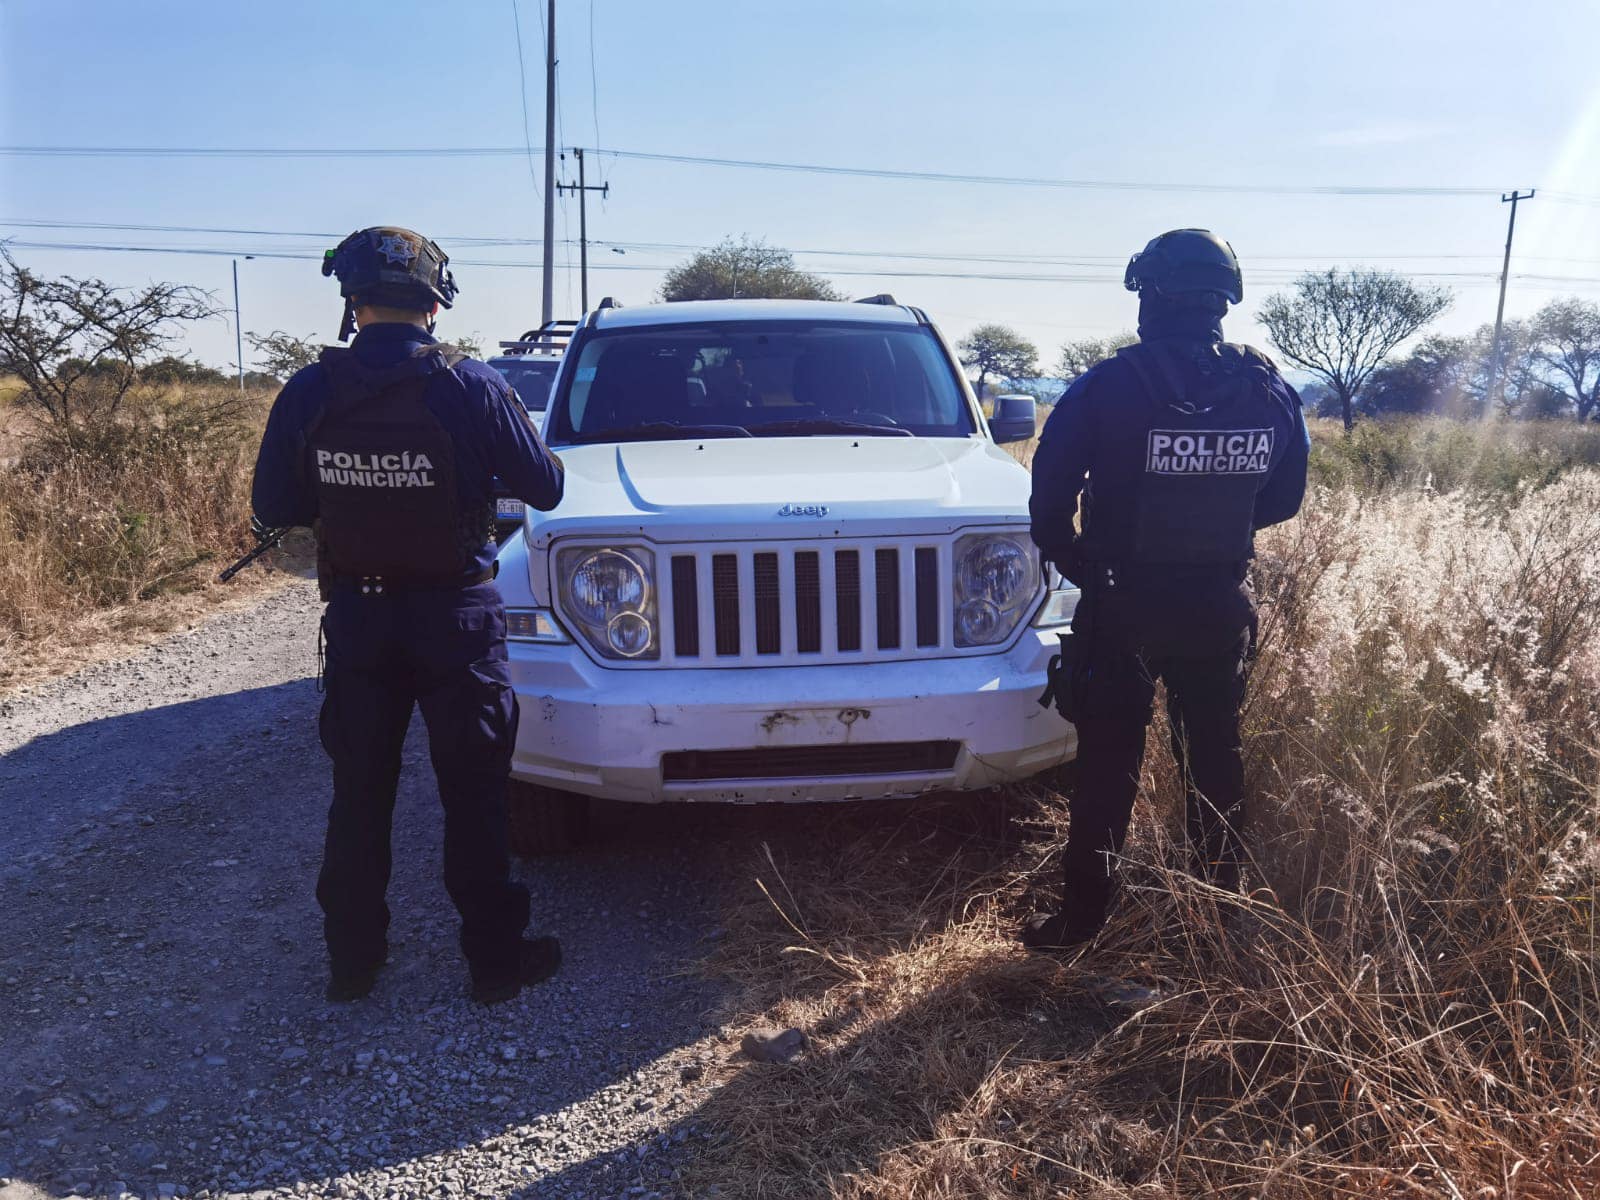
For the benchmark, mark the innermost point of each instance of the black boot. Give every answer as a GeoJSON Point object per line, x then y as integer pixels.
{"type": "Point", "coordinates": [346, 984]}
{"type": "Point", "coordinates": [539, 959]}
{"type": "Point", "coordinates": [1057, 931]}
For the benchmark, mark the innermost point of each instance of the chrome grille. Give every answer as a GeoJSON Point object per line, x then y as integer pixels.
{"type": "Point", "coordinates": [778, 603]}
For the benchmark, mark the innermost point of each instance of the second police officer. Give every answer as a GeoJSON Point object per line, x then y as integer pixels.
{"type": "Point", "coordinates": [389, 449]}
{"type": "Point", "coordinates": [1180, 448]}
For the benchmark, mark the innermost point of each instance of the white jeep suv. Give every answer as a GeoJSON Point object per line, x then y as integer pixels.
{"type": "Point", "coordinates": [792, 564]}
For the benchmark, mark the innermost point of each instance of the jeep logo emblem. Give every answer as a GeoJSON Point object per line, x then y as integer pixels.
{"type": "Point", "coordinates": [803, 510]}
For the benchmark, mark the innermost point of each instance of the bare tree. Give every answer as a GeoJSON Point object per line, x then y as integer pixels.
{"type": "Point", "coordinates": [1077, 357]}
{"type": "Point", "coordinates": [1340, 325]}
{"type": "Point", "coordinates": [282, 354]}
{"type": "Point", "coordinates": [1567, 335]}
{"type": "Point", "coordinates": [470, 344]}
{"type": "Point", "coordinates": [744, 268]}
{"type": "Point", "coordinates": [998, 350]}
{"type": "Point", "coordinates": [77, 344]}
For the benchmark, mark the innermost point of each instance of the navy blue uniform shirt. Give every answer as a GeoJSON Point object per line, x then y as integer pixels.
{"type": "Point", "coordinates": [473, 402]}
{"type": "Point", "coordinates": [1102, 400]}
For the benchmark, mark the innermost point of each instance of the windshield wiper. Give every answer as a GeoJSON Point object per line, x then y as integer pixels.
{"type": "Point", "coordinates": [653, 431]}
{"type": "Point", "coordinates": [826, 425]}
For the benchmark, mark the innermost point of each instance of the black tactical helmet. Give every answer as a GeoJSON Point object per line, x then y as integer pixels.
{"type": "Point", "coordinates": [390, 265]}
{"type": "Point", "coordinates": [1185, 261]}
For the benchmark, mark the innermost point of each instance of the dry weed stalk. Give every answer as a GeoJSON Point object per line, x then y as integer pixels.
{"type": "Point", "coordinates": [1407, 1002]}
{"type": "Point", "coordinates": [134, 509]}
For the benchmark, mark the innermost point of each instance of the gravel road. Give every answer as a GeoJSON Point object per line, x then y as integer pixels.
{"type": "Point", "coordinates": [162, 1029]}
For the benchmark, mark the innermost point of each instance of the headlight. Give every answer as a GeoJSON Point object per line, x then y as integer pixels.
{"type": "Point", "coordinates": [996, 580]}
{"type": "Point", "coordinates": [610, 592]}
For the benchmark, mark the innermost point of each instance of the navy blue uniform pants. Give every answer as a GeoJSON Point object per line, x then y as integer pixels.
{"type": "Point", "coordinates": [445, 652]}
{"type": "Point", "coordinates": [1193, 633]}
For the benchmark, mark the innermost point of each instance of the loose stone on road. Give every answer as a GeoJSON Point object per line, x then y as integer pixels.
{"type": "Point", "coordinates": [162, 1029]}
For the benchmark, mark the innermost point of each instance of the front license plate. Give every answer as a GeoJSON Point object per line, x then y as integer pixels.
{"type": "Point", "coordinates": [508, 508]}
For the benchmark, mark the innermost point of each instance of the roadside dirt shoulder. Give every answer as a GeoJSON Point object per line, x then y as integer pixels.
{"type": "Point", "coordinates": [162, 1030]}
{"type": "Point", "coordinates": [111, 636]}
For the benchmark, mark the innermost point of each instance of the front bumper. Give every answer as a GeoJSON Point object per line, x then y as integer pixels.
{"type": "Point", "coordinates": [605, 732]}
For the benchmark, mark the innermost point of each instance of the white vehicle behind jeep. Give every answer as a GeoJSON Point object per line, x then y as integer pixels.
{"type": "Point", "coordinates": [792, 564]}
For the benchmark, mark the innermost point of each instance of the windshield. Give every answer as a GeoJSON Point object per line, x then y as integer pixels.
{"type": "Point", "coordinates": [760, 379]}
{"type": "Point", "coordinates": [531, 377]}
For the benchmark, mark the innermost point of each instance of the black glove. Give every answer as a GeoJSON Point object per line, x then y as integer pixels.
{"type": "Point", "coordinates": [1071, 563]}
{"type": "Point", "coordinates": [260, 528]}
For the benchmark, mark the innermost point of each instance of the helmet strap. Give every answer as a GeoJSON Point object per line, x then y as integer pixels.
{"type": "Point", "coordinates": [348, 325]}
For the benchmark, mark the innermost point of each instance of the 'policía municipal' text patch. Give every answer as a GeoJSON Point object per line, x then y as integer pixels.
{"type": "Point", "coordinates": [1213, 452]}
{"type": "Point", "coordinates": [375, 470]}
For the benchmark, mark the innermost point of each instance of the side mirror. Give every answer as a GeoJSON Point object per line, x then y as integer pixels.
{"type": "Point", "coordinates": [1015, 419]}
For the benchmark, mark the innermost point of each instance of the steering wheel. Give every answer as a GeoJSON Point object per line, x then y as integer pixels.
{"type": "Point", "coordinates": [868, 417]}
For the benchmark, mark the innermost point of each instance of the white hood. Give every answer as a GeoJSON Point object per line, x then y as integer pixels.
{"type": "Point", "coordinates": [736, 484]}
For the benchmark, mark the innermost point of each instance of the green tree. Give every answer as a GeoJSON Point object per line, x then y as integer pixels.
{"type": "Point", "coordinates": [1566, 333]}
{"type": "Point", "coordinates": [1449, 375]}
{"type": "Point", "coordinates": [77, 345]}
{"type": "Point", "coordinates": [744, 268]}
{"type": "Point", "coordinates": [1045, 389]}
{"type": "Point", "coordinates": [1077, 357]}
{"type": "Point", "coordinates": [998, 350]}
{"type": "Point", "coordinates": [1340, 325]}
{"type": "Point", "coordinates": [282, 354]}
{"type": "Point", "coordinates": [172, 368]}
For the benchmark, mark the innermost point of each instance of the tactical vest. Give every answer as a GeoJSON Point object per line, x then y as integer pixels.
{"type": "Point", "coordinates": [1211, 439]}
{"type": "Point", "coordinates": [384, 471]}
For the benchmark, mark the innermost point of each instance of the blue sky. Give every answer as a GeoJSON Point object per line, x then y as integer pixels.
{"type": "Point", "coordinates": [1420, 93]}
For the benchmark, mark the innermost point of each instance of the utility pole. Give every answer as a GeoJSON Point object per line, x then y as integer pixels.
{"type": "Point", "coordinates": [549, 165]}
{"type": "Point", "coordinates": [583, 189]}
{"type": "Point", "coordinates": [1505, 274]}
{"type": "Point", "coordinates": [238, 331]}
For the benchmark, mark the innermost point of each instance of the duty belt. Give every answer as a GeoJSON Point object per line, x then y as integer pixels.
{"type": "Point", "coordinates": [378, 585]}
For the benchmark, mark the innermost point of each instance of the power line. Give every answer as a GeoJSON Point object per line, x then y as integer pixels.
{"type": "Point", "coordinates": [1119, 185]}
{"type": "Point", "coordinates": [993, 257]}
{"type": "Point", "coordinates": [1485, 278]}
{"type": "Point", "coordinates": [1044, 182]}
{"type": "Point", "coordinates": [522, 95]}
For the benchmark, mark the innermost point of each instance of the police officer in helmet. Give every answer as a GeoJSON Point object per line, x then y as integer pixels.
{"type": "Point", "coordinates": [388, 449]}
{"type": "Point", "coordinates": [1179, 447]}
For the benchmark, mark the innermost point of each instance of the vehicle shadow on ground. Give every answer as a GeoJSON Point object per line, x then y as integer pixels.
{"type": "Point", "coordinates": [920, 1046]}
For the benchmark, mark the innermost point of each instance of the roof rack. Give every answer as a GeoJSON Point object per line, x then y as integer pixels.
{"type": "Point", "coordinates": [607, 302]}
{"type": "Point", "coordinates": [880, 298]}
{"type": "Point", "coordinates": [550, 338]}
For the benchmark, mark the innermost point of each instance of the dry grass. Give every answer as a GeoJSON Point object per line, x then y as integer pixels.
{"type": "Point", "coordinates": [1405, 1005]}
{"type": "Point", "coordinates": [120, 532]}
{"type": "Point", "coordinates": [1426, 452]}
